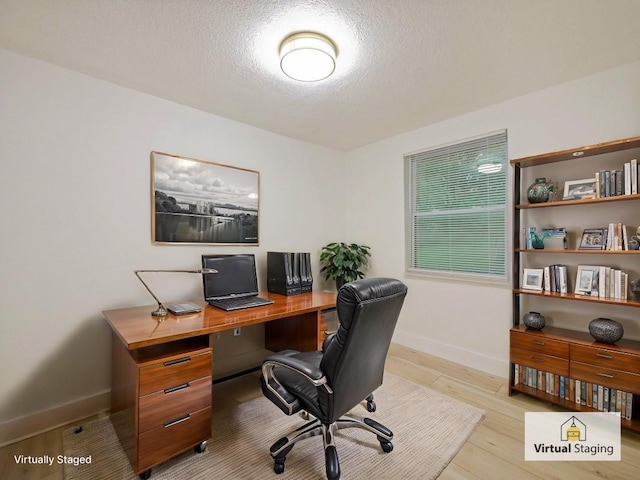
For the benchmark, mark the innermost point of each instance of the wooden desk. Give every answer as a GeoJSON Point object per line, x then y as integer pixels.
{"type": "Point", "coordinates": [161, 370]}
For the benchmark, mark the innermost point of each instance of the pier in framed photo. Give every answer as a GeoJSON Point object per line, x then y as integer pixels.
{"type": "Point", "coordinates": [199, 202]}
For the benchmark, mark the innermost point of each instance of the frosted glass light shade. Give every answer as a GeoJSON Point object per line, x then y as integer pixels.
{"type": "Point", "coordinates": [307, 57]}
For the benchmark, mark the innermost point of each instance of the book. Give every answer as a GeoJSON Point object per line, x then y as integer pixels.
{"type": "Point", "coordinates": [600, 397]}
{"type": "Point", "coordinates": [634, 176]}
{"type": "Point", "coordinates": [627, 178]}
{"type": "Point", "coordinates": [578, 391]}
{"type": "Point", "coordinates": [605, 400]}
{"type": "Point", "coordinates": [564, 281]}
{"type": "Point", "coordinates": [629, 412]}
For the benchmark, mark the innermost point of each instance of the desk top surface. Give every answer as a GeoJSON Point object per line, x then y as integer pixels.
{"type": "Point", "coordinates": [137, 328]}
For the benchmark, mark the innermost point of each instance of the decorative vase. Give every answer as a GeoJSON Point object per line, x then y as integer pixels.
{"type": "Point", "coordinates": [534, 320]}
{"type": "Point", "coordinates": [538, 192]}
{"type": "Point", "coordinates": [605, 330]}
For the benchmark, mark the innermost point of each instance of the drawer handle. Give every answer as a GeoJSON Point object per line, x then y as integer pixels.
{"type": "Point", "coordinates": [177, 420]}
{"type": "Point", "coordinates": [177, 361]}
{"type": "Point", "coordinates": [538, 342]}
{"type": "Point", "coordinates": [604, 355]}
{"type": "Point", "coordinates": [608, 375]}
{"type": "Point", "coordinates": [537, 359]}
{"type": "Point", "coordinates": [177, 388]}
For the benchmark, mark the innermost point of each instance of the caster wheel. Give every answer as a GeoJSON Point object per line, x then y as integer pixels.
{"type": "Point", "coordinates": [201, 447]}
{"type": "Point", "coordinates": [145, 475]}
{"type": "Point", "coordinates": [371, 406]}
{"type": "Point", "coordinates": [278, 467]}
{"type": "Point", "coordinates": [386, 446]}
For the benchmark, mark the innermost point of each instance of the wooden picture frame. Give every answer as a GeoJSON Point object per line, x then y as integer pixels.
{"type": "Point", "coordinates": [199, 202]}
{"type": "Point", "coordinates": [593, 239]}
{"type": "Point", "coordinates": [577, 189]}
{"type": "Point", "coordinates": [532, 279]}
{"type": "Point", "coordinates": [587, 279]}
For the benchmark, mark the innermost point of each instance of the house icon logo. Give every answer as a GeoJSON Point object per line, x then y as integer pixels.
{"type": "Point", "coordinates": [573, 430]}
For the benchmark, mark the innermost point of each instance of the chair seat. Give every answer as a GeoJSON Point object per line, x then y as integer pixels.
{"type": "Point", "coordinates": [297, 385]}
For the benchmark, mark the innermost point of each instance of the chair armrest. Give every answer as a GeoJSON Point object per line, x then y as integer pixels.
{"type": "Point", "coordinates": [313, 374]}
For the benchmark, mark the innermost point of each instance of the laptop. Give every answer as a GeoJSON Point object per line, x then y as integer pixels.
{"type": "Point", "coordinates": [235, 286]}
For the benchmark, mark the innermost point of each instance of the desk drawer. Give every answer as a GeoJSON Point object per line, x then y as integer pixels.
{"type": "Point", "coordinates": [163, 442]}
{"type": "Point", "coordinates": [160, 407]}
{"type": "Point", "coordinates": [540, 344]}
{"type": "Point", "coordinates": [628, 382]}
{"type": "Point", "coordinates": [546, 363]}
{"type": "Point", "coordinates": [163, 375]}
{"type": "Point", "coordinates": [606, 358]}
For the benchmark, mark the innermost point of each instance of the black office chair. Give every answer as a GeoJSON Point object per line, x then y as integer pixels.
{"type": "Point", "coordinates": [349, 368]}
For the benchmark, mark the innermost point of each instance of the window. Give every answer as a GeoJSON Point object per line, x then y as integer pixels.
{"type": "Point", "coordinates": [456, 209]}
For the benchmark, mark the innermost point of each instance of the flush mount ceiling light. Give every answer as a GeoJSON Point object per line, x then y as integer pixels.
{"type": "Point", "coordinates": [307, 57]}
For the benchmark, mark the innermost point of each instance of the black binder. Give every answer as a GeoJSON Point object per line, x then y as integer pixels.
{"type": "Point", "coordinates": [289, 273]}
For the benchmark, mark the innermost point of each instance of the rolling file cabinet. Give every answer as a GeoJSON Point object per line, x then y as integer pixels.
{"type": "Point", "coordinates": [161, 403]}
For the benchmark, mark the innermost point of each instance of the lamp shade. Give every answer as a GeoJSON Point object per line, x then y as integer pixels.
{"type": "Point", "coordinates": [307, 57]}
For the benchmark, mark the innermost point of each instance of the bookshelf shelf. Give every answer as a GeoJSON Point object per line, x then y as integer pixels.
{"type": "Point", "coordinates": [584, 201]}
{"type": "Point", "coordinates": [573, 356]}
{"type": "Point", "coordinates": [581, 298]}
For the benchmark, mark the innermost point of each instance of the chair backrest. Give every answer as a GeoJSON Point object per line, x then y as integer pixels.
{"type": "Point", "coordinates": [353, 362]}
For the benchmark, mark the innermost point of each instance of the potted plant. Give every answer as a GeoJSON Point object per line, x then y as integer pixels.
{"type": "Point", "coordinates": [344, 262]}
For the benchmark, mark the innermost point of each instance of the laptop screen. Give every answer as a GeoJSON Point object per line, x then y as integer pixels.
{"type": "Point", "coordinates": [236, 276]}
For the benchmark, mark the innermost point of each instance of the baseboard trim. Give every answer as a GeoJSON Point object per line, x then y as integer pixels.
{"type": "Point", "coordinates": [36, 423]}
{"type": "Point", "coordinates": [491, 365]}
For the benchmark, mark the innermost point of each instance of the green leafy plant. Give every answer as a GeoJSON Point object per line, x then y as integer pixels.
{"type": "Point", "coordinates": [344, 262]}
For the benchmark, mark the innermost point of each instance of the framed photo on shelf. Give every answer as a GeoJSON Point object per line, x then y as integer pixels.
{"type": "Point", "coordinates": [532, 279]}
{"type": "Point", "coordinates": [593, 239]}
{"type": "Point", "coordinates": [587, 280]}
{"type": "Point", "coordinates": [577, 189]}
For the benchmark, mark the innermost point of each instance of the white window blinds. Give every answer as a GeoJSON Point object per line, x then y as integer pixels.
{"type": "Point", "coordinates": [456, 209]}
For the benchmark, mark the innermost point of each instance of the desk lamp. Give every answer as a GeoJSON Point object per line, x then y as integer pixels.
{"type": "Point", "coordinates": [161, 311]}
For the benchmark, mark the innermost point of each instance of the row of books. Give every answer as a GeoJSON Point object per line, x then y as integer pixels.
{"type": "Point", "coordinates": [555, 279]}
{"type": "Point", "coordinates": [616, 237]}
{"type": "Point", "coordinates": [598, 397]}
{"type": "Point", "coordinates": [612, 183]}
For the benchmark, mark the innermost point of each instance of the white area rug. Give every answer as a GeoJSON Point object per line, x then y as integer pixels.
{"type": "Point", "coordinates": [429, 429]}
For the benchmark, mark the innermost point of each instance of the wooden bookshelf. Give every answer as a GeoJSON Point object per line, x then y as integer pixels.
{"type": "Point", "coordinates": [560, 351]}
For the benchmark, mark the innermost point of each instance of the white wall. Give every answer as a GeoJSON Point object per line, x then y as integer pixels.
{"type": "Point", "coordinates": [75, 219]}
{"type": "Point", "coordinates": [75, 222]}
{"type": "Point", "coordinates": [464, 322]}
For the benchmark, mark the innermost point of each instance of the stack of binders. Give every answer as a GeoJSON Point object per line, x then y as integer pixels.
{"type": "Point", "coordinates": [289, 273]}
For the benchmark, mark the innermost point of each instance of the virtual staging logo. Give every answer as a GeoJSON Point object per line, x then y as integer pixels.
{"type": "Point", "coordinates": [561, 436]}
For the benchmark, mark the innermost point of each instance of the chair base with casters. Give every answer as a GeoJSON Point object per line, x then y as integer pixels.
{"type": "Point", "coordinates": [283, 446]}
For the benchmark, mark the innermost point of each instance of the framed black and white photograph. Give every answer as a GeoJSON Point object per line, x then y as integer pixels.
{"type": "Point", "coordinates": [577, 189]}
{"type": "Point", "coordinates": [587, 280]}
{"type": "Point", "coordinates": [199, 202]}
{"type": "Point", "coordinates": [532, 278]}
{"type": "Point", "coordinates": [593, 239]}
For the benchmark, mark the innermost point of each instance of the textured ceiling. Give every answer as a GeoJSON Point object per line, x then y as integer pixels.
{"type": "Point", "coordinates": [402, 64]}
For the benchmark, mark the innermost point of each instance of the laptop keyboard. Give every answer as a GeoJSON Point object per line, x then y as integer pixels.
{"type": "Point", "coordinates": [238, 303]}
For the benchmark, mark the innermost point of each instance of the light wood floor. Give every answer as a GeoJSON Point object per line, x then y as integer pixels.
{"type": "Point", "coordinates": [495, 451]}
